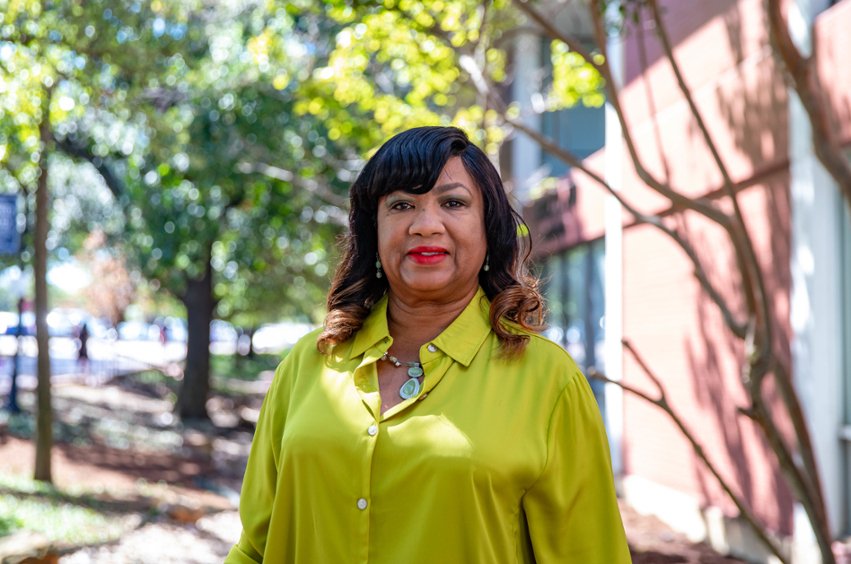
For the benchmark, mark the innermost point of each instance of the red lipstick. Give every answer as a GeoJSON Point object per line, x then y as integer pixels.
{"type": "Point", "coordinates": [428, 255]}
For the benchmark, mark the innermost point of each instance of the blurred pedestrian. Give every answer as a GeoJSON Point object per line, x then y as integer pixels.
{"type": "Point", "coordinates": [83, 351]}
{"type": "Point", "coordinates": [428, 421]}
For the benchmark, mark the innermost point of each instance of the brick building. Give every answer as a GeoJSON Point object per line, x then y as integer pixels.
{"type": "Point", "coordinates": [608, 278]}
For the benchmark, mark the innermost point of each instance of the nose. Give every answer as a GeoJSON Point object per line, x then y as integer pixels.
{"type": "Point", "coordinates": [427, 222]}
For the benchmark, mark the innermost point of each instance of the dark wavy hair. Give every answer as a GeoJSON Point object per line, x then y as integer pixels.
{"type": "Point", "coordinates": [412, 161]}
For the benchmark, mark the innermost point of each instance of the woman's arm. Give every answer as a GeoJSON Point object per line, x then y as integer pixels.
{"type": "Point", "coordinates": [258, 486]}
{"type": "Point", "coordinates": [572, 510]}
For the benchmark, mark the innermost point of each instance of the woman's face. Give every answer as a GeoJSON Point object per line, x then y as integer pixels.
{"type": "Point", "coordinates": [433, 245]}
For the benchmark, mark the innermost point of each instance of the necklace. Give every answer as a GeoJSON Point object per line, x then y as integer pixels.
{"type": "Point", "coordinates": [412, 387]}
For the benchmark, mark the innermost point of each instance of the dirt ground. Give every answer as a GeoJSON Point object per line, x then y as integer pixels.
{"type": "Point", "coordinates": [124, 444]}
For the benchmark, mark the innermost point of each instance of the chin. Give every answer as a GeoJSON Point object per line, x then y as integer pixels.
{"type": "Point", "coordinates": [437, 283]}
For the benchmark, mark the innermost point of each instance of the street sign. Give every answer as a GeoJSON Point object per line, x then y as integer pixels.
{"type": "Point", "coordinates": [10, 239]}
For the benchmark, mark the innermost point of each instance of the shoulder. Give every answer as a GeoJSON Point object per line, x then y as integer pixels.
{"type": "Point", "coordinates": [544, 365]}
{"type": "Point", "coordinates": [303, 354]}
{"type": "Point", "coordinates": [565, 369]}
{"type": "Point", "coordinates": [306, 346]}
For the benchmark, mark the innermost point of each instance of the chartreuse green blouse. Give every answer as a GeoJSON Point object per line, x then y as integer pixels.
{"type": "Point", "coordinates": [495, 461]}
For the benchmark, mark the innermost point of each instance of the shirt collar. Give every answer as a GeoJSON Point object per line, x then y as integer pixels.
{"type": "Point", "coordinates": [461, 340]}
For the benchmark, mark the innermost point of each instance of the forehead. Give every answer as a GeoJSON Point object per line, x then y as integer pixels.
{"type": "Point", "coordinates": [453, 176]}
{"type": "Point", "coordinates": [455, 171]}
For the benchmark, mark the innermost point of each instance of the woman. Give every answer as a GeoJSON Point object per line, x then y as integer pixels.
{"type": "Point", "coordinates": [427, 422]}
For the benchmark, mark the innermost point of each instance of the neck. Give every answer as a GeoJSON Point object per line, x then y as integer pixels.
{"type": "Point", "coordinates": [412, 323]}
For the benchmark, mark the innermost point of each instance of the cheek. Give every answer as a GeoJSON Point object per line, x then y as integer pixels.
{"type": "Point", "coordinates": [388, 233]}
{"type": "Point", "coordinates": [481, 235]}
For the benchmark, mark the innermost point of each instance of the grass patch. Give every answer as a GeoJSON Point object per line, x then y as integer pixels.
{"type": "Point", "coordinates": [243, 367]}
{"type": "Point", "coordinates": [62, 517]}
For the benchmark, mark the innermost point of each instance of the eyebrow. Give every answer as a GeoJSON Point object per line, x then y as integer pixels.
{"type": "Point", "coordinates": [446, 187]}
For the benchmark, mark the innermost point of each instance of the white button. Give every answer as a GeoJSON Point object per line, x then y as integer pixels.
{"type": "Point", "coordinates": [361, 503]}
{"type": "Point", "coordinates": [372, 430]}
{"type": "Point", "coordinates": [432, 348]}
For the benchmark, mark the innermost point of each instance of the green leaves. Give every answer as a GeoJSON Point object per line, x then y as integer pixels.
{"type": "Point", "coordinates": [574, 80]}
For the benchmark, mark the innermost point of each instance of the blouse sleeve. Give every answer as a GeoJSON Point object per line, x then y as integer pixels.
{"type": "Point", "coordinates": [572, 510]}
{"type": "Point", "coordinates": [261, 473]}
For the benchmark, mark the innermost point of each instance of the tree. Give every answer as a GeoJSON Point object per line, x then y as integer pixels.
{"type": "Point", "coordinates": [29, 110]}
{"type": "Point", "coordinates": [185, 112]}
{"type": "Point", "coordinates": [44, 425]}
{"type": "Point", "coordinates": [113, 288]}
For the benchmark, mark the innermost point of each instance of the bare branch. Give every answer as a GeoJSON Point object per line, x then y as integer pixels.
{"type": "Point", "coordinates": [758, 527]}
{"type": "Point", "coordinates": [801, 487]}
{"type": "Point", "coordinates": [669, 53]}
{"type": "Point", "coordinates": [317, 189]}
{"type": "Point", "coordinates": [555, 33]}
{"type": "Point", "coordinates": [752, 282]}
{"type": "Point", "coordinates": [700, 205]}
{"type": "Point", "coordinates": [77, 151]}
{"type": "Point", "coordinates": [796, 414]}
{"type": "Point", "coordinates": [737, 327]}
{"type": "Point", "coordinates": [469, 65]}
{"type": "Point", "coordinates": [805, 79]}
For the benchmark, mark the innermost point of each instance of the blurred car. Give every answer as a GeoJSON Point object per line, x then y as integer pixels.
{"type": "Point", "coordinates": [138, 331]}
{"type": "Point", "coordinates": [279, 336]}
{"type": "Point", "coordinates": [9, 323]}
{"type": "Point", "coordinates": [99, 328]}
{"type": "Point", "coordinates": [65, 322]}
{"type": "Point", "coordinates": [176, 329]}
{"type": "Point", "coordinates": [222, 331]}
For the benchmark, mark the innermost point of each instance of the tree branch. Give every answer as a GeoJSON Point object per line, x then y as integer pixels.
{"type": "Point", "coordinates": [805, 80]}
{"type": "Point", "coordinates": [669, 53]}
{"type": "Point", "coordinates": [468, 64]}
{"type": "Point", "coordinates": [662, 402]}
{"type": "Point", "coordinates": [696, 204]}
{"type": "Point", "coordinates": [77, 151]}
{"type": "Point", "coordinates": [800, 485]}
{"type": "Point", "coordinates": [796, 414]}
{"type": "Point", "coordinates": [752, 276]}
{"type": "Point", "coordinates": [319, 190]}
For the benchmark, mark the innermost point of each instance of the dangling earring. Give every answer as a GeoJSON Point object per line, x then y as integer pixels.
{"type": "Point", "coordinates": [487, 266]}
{"type": "Point", "coordinates": [378, 273]}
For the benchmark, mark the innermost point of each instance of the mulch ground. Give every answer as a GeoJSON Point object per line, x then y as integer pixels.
{"type": "Point", "coordinates": [652, 542]}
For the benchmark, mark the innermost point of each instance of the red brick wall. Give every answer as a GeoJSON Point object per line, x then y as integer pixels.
{"type": "Point", "coordinates": [723, 52]}
{"type": "Point", "coordinates": [682, 337]}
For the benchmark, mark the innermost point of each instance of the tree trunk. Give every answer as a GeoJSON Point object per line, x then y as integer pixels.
{"type": "Point", "coordinates": [44, 422]}
{"type": "Point", "coordinates": [251, 331]}
{"type": "Point", "coordinates": [13, 406]}
{"type": "Point", "coordinates": [198, 299]}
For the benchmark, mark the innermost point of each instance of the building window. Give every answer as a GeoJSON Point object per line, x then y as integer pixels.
{"type": "Point", "coordinates": [845, 246]}
{"type": "Point", "coordinates": [573, 288]}
{"type": "Point", "coordinates": [580, 130]}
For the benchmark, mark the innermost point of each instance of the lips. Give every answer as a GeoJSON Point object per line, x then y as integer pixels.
{"type": "Point", "coordinates": [427, 255]}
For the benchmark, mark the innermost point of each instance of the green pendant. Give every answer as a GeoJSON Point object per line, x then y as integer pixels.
{"type": "Point", "coordinates": [410, 388]}
{"type": "Point", "coordinates": [415, 371]}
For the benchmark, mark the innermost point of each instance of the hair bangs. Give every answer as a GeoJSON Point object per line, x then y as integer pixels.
{"type": "Point", "coordinates": [411, 162]}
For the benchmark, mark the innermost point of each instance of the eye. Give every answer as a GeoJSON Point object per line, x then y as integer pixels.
{"type": "Point", "coordinates": [401, 206]}
{"type": "Point", "coordinates": [454, 203]}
